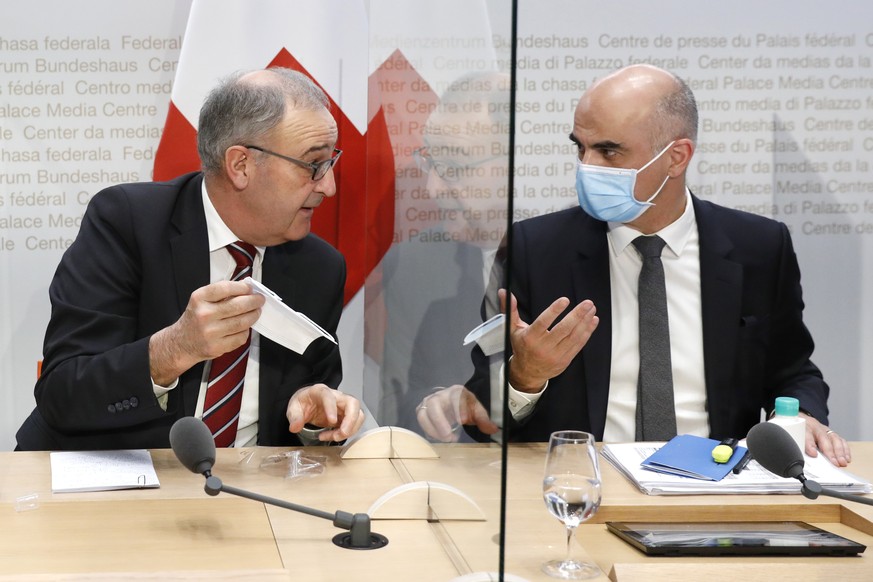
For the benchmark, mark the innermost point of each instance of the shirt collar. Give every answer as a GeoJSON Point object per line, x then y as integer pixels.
{"type": "Point", "coordinates": [675, 234]}
{"type": "Point", "coordinates": [219, 234]}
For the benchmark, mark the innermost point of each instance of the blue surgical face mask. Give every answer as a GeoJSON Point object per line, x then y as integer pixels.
{"type": "Point", "coordinates": [608, 193]}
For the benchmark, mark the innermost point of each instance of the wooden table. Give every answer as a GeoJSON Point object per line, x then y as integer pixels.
{"type": "Point", "coordinates": [177, 532]}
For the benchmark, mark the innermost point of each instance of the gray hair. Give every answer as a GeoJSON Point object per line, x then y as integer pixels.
{"type": "Point", "coordinates": [675, 116]}
{"type": "Point", "coordinates": [239, 112]}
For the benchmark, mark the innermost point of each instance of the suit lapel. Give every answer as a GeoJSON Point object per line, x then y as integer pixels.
{"type": "Point", "coordinates": [190, 256]}
{"type": "Point", "coordinates": [591, 281]}
{"type": "Point", "coordinates": [721, 288]}
{"type": "Point", "coordinates": [190, 247]}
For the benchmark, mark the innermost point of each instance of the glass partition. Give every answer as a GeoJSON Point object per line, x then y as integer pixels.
{"type": "Point", "coordinates": [441, 75]}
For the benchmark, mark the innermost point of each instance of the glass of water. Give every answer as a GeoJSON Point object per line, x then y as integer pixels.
{"type": "Point", "coordinates": [571, 490]}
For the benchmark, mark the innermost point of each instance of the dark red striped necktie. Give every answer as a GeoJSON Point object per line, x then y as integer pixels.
{"type": "Point", "coordinates": [225, 386]}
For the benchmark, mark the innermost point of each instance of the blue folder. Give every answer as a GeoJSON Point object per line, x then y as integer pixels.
{"type": "Point", "coordinates": [687, 455]}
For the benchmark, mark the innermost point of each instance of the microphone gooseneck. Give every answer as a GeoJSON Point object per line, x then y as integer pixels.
{"type": "Point", "coordinates": [194, 446]}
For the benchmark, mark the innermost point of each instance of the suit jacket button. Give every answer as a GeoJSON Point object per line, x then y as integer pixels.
{"type": "Point", "coordinates": [118, 406]}
{"type": "Point", "coordinates": [111, 408]}
{"type": "Point", "coordinates": [134, 401]}
{"type": "Point", "coordinates": [126, 404]}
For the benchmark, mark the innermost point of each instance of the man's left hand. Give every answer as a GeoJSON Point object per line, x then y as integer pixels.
{"type": "Point", "coordinates": [322, 406]}
{"type": "Point", "coordinates": [821, 438]}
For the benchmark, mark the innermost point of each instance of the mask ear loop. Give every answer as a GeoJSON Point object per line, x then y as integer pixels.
{"type": "Point", "coordinates": [658, 191]}
{"type": "Point", "coordinates": [650, 162]}
{"type": "Point", "coordinates": [661, 153]}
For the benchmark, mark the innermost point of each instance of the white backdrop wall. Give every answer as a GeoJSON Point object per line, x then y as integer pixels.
{"type": "Point", "coordinates": [84, 90]}
{"type": "Point", "coordinates": [785, 92]}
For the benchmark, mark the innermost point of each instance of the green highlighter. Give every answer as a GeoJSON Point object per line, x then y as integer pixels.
{"type": "Point", "coordinates": [723, 452]}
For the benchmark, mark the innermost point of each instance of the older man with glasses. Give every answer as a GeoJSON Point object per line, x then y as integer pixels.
{"type": "Point", "coordinates": [151, 319]}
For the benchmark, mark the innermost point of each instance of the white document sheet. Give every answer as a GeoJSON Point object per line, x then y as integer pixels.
{"type": "Point", "coordinates": [74, 471]}
{"type": "Point", "coordinates": [282, 324]}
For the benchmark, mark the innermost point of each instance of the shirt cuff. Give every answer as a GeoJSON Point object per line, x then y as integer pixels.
{"type": "Point", "coordinates": [521, 404]}
{"type": "Point", "coordinates": [162, 391]}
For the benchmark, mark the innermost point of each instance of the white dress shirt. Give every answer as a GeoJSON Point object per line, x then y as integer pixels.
{"type": "Point", "coordinates": [681, 260]}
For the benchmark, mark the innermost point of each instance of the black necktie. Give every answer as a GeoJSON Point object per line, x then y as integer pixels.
{"type": "Point", "coordinates": [656, 414]}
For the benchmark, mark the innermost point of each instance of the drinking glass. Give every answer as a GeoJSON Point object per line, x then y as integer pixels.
{"type": "Point", "coordinates": [571, 490]}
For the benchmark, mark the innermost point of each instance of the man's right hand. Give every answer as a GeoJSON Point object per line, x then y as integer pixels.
{"type": "Point", "coordinates": [217, 320]}
{"type": "Point", "coordinates": [541, 352]}
{"type": "Point", "coordinates": [442, 414]}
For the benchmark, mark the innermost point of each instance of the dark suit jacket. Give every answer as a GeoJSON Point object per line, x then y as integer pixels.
{"type": "Point", "coordinates": [756, 346]}
{"type": "Point", "coordinates": [141, 251]}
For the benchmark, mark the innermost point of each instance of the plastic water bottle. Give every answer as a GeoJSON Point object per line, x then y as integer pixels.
{"type": "Point", "coordinates": [788, 417]}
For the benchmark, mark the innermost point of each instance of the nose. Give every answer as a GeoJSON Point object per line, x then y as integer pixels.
{"type": "Point", "coordinates": [588, 157]}
{"type": "Point", "coordinates": [327, 185]}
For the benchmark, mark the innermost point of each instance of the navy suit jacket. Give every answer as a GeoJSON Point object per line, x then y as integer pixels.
{"type": "Point", "coordinates": [755, 344]}
{"type": "Point", "coordinates": [141, 251]}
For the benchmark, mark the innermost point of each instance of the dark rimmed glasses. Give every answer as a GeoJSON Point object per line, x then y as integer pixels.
{"type": "Point", "coordinates": [319, 169]}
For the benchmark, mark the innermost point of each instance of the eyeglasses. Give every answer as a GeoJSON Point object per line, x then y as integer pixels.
{"type": "Point", "coordinates": [319, 169]}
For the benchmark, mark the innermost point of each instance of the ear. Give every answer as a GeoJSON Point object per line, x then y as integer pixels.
{"type": "Point", "coordinates": [680, 156]}
{"type": "Point", "coordinates": [238, 166]}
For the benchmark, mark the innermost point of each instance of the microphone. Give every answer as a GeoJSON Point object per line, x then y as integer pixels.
{"type": "Point", "coordinates": [193, 444]}
{"type": "Point", "coordinates": [776, 451]}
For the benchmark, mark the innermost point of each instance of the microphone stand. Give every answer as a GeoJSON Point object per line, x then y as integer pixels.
{"type": "Point", "coordinates": [812, 489]}
{"type": "Point", "coordinates": [358, 525]}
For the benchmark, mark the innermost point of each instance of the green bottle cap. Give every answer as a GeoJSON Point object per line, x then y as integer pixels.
{"type": "Point", "coordinates": [787, 406]}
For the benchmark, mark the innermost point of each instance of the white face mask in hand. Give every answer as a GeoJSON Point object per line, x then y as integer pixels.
{"type": "Point", "coordinates": [608, 193]}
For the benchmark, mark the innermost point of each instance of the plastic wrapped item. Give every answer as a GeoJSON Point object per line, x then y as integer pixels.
{"type": "Point", "coordinates": [295, 464]}
{"type": "Point", "coordinates": [246, 456]}
{"type": "Point", "coordinates": [27, 502]}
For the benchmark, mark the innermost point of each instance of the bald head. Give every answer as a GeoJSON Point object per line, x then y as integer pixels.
{"type": "Point", "coordinates": [248, 105]}
{"type": "Point", "coordinates": [649, 97]}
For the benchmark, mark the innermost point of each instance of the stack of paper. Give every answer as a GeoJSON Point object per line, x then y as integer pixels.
{"type": "Point", "coordinates": [628, 458]}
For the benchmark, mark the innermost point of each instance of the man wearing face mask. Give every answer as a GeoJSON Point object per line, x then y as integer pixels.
{"type": "Point", "coordinates": [736, 338]}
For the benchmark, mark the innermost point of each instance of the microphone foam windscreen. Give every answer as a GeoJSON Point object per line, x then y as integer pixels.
{"type": "Point", "coordinates": [775, 450]}
{"type": "Point", "coordinates": [193, 444]}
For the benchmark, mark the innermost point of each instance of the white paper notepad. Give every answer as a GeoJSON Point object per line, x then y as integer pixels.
{"type": "Point", "coordinates": [102, 470]}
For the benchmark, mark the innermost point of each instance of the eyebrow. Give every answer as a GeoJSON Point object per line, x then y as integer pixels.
{"type": "Point", "coordinates": [607, 145]}
{"type": "Point", "coordinates": [314, 149]}
{"type": "Point", "coordinates": [601, 145]}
